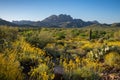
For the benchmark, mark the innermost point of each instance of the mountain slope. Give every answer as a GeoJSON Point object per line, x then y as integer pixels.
{"type": "Point", "coordinates": [23, 22]}
{"type": "Point", "coordinates": [4, 22]}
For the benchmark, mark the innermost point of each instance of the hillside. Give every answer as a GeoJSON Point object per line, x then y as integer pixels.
{"type": "Point", "coordinates": [4, 22]}
{"type": "Point", "coordinates": [21, 23]}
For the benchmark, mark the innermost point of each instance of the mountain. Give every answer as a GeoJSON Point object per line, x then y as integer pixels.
{"type": "Point", "coordinates": [115, 25]}
{"type": "Point", "coordinates": [64, 20]}
{"type": "Point", "coordinates": [23, 22]}
{"type": "Point", "coordinates": [16, 23]}
{"type": "Point", "coordinates": [4, 22]}
{"type": "Point", "coordinates": [61, 20]}
{"type": "Point", "coordinates": [58, 21]}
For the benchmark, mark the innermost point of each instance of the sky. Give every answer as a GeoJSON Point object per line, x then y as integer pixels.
{"type": "Point", "coordinates": [104, 11]}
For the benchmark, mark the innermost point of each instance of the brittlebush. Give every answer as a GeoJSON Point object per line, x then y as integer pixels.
{"type": "Point", "coordinates": [10, 68]}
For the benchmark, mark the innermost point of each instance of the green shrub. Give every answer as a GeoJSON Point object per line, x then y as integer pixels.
{"type": "Point", "coordinates": [117, 35]}
{"type": "Point", "coordinates": [7, 36]}
{"type": "Point", "coordinates": [39, 39]}
{"type": "Point", "coordinates": [60, 35]}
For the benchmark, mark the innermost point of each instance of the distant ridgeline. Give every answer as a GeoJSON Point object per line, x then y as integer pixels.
{"type": "Point", "coordinates": [57, 21]}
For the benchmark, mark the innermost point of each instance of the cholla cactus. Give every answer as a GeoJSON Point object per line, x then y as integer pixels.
{"type": "Point", "coordinates": [107, 49]}
{"type": "Point", "coordinates": [99, 53]}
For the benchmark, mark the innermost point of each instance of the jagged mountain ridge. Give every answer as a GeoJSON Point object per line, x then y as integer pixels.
{"type": "Point", "coordinates": [57, 21]}
{"type": "Point", "coordinates": [61, 20]}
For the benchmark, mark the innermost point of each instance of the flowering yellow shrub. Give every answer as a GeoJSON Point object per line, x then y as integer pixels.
{"type": "Point", "coordinates": [42, 72]}
{"type": "Point", "coordinates": [81, 68]}
{"type": "Point", "coordinates": [87, 44]}
{"type": "Point", "coordinates": [112, 59]}
{"type": "Point", "coordinates": [10, 68]}
{"type": "Point", "coordinates": [24, 49]}
{"type": "Point", "coordinates": [115, 43]}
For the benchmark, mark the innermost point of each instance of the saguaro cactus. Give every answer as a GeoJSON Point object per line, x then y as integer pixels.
{"type": "Point", "coordinates": [90, 34]}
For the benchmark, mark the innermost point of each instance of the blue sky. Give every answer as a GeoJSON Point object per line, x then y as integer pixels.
{"type": "Point", "coordinates": [105, 11]}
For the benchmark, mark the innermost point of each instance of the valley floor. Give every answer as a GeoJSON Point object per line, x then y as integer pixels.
{"type": "Point", "coordinates": [59, 53]}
